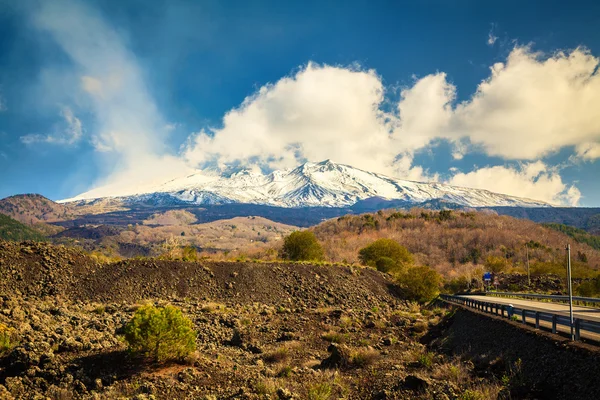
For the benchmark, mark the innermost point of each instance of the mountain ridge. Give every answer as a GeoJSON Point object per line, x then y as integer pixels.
{"type": "Point", "coordinates": [325, 183]}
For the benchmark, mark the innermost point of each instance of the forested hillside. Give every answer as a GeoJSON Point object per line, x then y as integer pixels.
{"type": "Point", "coordinates": [11, 229]}
{"type": "Point", "coordinates": [458, 243]}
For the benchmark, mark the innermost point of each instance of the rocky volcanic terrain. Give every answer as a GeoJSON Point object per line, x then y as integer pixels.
{"type": "Point", "coordinates": [272, 331]}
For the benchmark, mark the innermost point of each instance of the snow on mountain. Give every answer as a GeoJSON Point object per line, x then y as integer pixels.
{"type": "Point", "coordinates": [325, 184]}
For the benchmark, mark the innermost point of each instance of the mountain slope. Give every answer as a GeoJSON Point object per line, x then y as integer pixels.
{"type": "Point", "coordinates": [11, 229]}
{"type": "Point", "coordinates": [457, 242]}
{"type": "Point", "coordinates": [31, 209]}
{"type": "Point", "coordinates": [309, 185]}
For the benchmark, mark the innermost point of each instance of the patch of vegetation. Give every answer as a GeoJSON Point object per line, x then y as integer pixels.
{"type": "Point", "coordinates": [189, 254]}
{"type": "Point", "coordinates": [386, 255]}
{"type": "Point", "coordinates": [162, 333]}
{"type": "Point", "coordinates": [457, 285]}
{"type": "Point", "coordinates": [363, 358]}
{"type": "Point", "coordinates": [7, 339]}
{"type": "Point", "coordinates": [11, 229]}
{"type": "Point", "coordinates": [320, 391]}
{"type": "Point", "coordinates": [495, 264]}
{"type": "Point", "coordinates": [285, 372]}
{"type": "Point", "coordinates": [302, 246]}
{"type": "Point", "coordinates": [426, 359]}
{"type": "Point", "coordinates": [420, 283]}
{"type": "Point", "coordinates": [334, 337]}
{"type": "Point", "coordinates": [579, 235]}
{"type": "Point", "coordinates": [590, 288]}
{"type": "Point", "coordinates": [279, 355]}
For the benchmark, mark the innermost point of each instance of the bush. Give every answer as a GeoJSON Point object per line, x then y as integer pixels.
{"type": "Point", "coordinates": [495, 264]}
{"type": "Point", "coordinates": [420, 283]}
{"type": "Point", "coordinates": [457, 285]}
{"type": "Point", "coordinates": [162, 333]}
{"type": "Point", "coordinates": [302, 246]}
{"type": "Point", "coordinates": [321, 391]}
{"type": "Point", "coordinates": [189, 253]}
{"type": "Point", "coordinates": [386, 255]}
{"type": "Point", "coordinates": [7, 339]}
{"type": "Point", "coordinates": [589, 288]}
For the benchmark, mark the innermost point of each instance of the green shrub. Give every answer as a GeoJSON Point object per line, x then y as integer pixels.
{"type": "Point", "coordinates": [420, 283]}
{"type": "Point", "coordinates": [386, 255]}
{"type": "Point", "coordinates": [457, 285]}
{"type": "Point", "coordinates": [495, 264]}
{"type": "Point", "coordinates": [302, 246]}
{"type": "Point", "coordinates": [189, 253]}
{"type": "Point", "coordinates": [386, 264]}
{"type": "Point", "coordinates": [426, 360]}
{"type": "Point", "coordinates": [320, 391]}
{"type": "Point", "coordinates": [162, 333]}
{"type": "Point", "coordinates": [590, 288]}
{"type": "Point", "coordinates": [285, 372]}
{"type": "Point", "coordinates": [7, 339]}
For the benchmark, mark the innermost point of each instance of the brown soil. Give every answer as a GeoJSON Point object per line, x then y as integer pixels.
{"type": "Point", "coordinates": [264, 331]}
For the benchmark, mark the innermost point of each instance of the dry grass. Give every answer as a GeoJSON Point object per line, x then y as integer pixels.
{"type": "Point", "coordinates": [364, 357]}
{"type": "Point", "coordinates": [279, 355]}
{"type": "Point", "coordinates": [334, 337]}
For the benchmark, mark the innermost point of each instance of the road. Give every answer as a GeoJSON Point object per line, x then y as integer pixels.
{"type": "Point", "coordinates": [584, 313]}
{"type": "Point", "coordinates": [587, 313]}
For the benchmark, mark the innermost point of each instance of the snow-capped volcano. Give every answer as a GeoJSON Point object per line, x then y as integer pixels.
{"type": "Point", "coordinates": [324, 184]}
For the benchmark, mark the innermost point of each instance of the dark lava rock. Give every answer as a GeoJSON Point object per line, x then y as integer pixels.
{"type": "Point", "coordinates": [415, 383]}
{"type": "Point", "coordinates": [339, 357]}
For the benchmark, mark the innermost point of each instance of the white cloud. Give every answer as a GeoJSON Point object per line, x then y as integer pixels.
{"type": "Point", "coordinates": [531, 180]}
{"type": "Point", "coordinates": [67, 133]}
{"type": "Point", "coordinates": [492, 38]}
{"type": "Point", "coordinates": [528, 108]}
{"type": "Point", "coordinates": [128, 125]}
{"type": "Point", "coordinates": [588, 151]}
{"type": "Point", "coordinates": [91, 85]}
{"type": "Point", "coordinates": [321, 112]}
{"type": "Point", "coordinates": [531, 107]}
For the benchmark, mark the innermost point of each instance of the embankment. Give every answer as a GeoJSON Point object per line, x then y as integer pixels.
{"type": "Point", "coordinates": [534, 364]}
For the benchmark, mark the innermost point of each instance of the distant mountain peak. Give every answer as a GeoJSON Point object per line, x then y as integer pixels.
{"type": "Point", "coordinates": [310, 184]}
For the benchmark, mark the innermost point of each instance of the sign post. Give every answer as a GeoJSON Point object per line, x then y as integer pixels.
{"type": "Point", "coordinates": [487, 278]}
{"type": "Point", "coordinates": [528, 275]}
{"type": "Point", "coordinates": [570, 286]}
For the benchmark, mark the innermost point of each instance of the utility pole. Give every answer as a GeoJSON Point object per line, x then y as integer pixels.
{"type": "Point", "coordinates": [528, 275]}
{"type": "Point", "coordinates": [570, 285]}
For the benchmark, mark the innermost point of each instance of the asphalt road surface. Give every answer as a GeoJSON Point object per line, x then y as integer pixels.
{"type": "Point", "coordinates": [584, 313]}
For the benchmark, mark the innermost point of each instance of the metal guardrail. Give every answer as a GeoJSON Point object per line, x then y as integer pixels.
{"type": "Point", "coordinates": [593, 301]}
{"type": "Point", "coordinates": [523, 314]}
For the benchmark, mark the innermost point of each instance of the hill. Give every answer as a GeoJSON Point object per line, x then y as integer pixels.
{"type": "Point", "coordinates": [167, 232]}
{"type": "Point", "coordinates": [457, 242]}
{"type": "Point", "coordinates": [11, 229]}
{"type": "Point", "coordinates": [31, 209]}
{"type": "Point", "coordinates": [584, 218]}
{"type": "Point", "coordinates": [579, 235]}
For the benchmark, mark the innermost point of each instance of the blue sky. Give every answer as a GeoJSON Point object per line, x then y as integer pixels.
{"type": "Point", "coordinates": [501, 96]}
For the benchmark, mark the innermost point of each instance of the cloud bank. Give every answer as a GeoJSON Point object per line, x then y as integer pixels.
{"type": "Point", "coordinates": [531, 106]}
{"type": "Point", "coordinates": [69, 132]}
{"type": "Point", "coordinates": [127, 124]}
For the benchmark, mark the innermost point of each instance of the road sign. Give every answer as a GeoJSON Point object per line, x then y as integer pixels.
{"type": "Point", "coordinates": [487, 276]}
